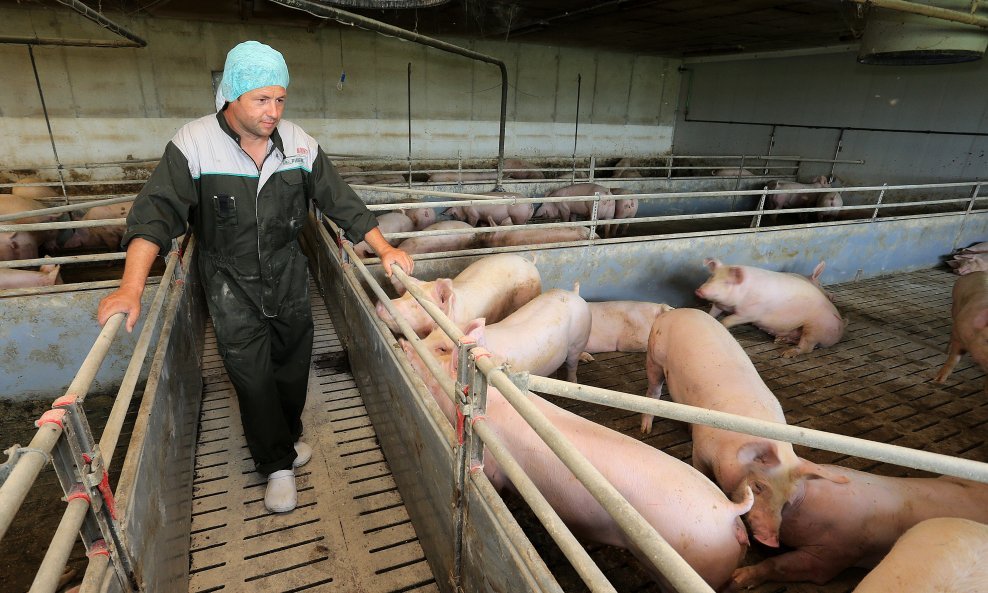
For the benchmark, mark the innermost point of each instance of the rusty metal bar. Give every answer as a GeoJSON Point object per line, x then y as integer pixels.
{"type": "Point", "coordinates": [930, 11]}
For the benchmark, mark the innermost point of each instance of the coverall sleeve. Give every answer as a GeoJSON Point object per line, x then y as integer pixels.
{"type": "Point", "coordinates": [162, 208]}
{"type": "Point", "coordinates": [338, 200]}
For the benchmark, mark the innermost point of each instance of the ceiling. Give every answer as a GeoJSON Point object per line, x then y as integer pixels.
{"type": "Point", "coordinates": [675, 28]}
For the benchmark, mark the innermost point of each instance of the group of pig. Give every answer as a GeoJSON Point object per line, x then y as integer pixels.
{"type": "Point", "coordinates": [470, 216]}
{"type": "Point", "coordinates": [830, 517]}
{"type": "Point", "coordinates": [18, 245]}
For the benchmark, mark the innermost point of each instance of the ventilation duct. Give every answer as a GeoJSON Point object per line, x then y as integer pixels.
{"type": "Point", "coordinates": [922, 32]}
{"type": "Point", "coordinates": [384, 4]}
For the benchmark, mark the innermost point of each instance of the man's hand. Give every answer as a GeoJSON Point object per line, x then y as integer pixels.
{"type": "Point", "coordinates": [388, 254]}
{"type": "Point", "coordinates": [393, 255]}
{"type": "Point", "coordinates": [122, 300]}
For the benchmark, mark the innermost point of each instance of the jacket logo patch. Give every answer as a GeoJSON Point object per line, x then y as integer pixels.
{"type": "Point", "coordinates": [292, 162]}
{"type": "Point", "coordinates": [302, 150]}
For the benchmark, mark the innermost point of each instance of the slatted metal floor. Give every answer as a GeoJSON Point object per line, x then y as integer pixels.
{"type": "Point", "coordinates": [874, 384]}
{"type": "Point", "coordinates": [350, 532]}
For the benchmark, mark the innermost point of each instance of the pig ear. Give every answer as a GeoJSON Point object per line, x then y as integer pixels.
{"type": "Point", "coordinates": [478, 331]}
{"type": "Point", "coordinates": [736, 274]}
{"type": "Point", "coordinates": [809, 470]}
{"type": "Point", "coordinates": [405, 345]}
{"type": "Point", "coordinates": [762, 453]}
{"type": "Point", "coordinates": [444, 294]}
{"type": "Point", "coordinates": [711, 263]}
{"type": "Point", "coordinates": [474, 324]}
{"type": "Point", "coordinates": [818, 270]}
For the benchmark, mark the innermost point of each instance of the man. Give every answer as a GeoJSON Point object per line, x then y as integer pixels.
{"type": "Point", "coordinates": [244, 177]}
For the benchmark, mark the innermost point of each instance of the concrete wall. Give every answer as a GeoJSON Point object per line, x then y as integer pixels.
{"type": "Point", "coordinates": [111, 104]}
{"type": "Point", "coordinates": [910, 124]}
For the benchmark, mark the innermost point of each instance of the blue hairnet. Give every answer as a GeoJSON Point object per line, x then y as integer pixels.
{"type": "Point", "coordinates": [251, 65]}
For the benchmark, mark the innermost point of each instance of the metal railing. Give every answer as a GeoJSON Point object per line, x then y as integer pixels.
{"type": "Point", "coordinates": [477, 371]}
{"type": "Point", "coordinates": [852, 214]}
{"type": "Point", "coordinates": [662, 555]}
{"type": "Point", "coordinates": [82, 464]}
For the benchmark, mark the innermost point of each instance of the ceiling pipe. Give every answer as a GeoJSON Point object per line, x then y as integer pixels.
{"type": "Point", "coordinates": [930, 11]}
{"type": "Point", "coordinates": [328, 12]}
{"type": "Point", "coordinates": [65, 42]}
{"type": "Point", "coordinates": [104, 22]}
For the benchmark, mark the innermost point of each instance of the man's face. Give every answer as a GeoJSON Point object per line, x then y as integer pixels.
{"type": "Point", "coordinates": [258, 111]}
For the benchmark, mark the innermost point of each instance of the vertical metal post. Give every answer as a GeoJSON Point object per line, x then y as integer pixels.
{"type": "Point", "coordinates": [51, 136]}
{"type": "Point", "coordinates": [974, 196]}
{"type": "Point", "coordinates": [576, 128]}
{"type": "Point", "coordinates": [459, 168]}
{"type": "Point", "coordinates": [833, 165]}
{"type": "Point", "coordinates": [878, 202]}
{"type": "Point", "coordinates": [737, 184]}
{"type": "Point", "coordinates": [593, 214]}
{"type": "Point", "coordinates": [771, 145]}
{"type": "Point", "coordinates": [464, 376]}
{"type": "Point", "coordinates": [478, 408]}
{"type": "Point", "coordinates": [409, 124]}
{"type": "Point", "coordinates": [593, 164]}
{"type": "Point", "coordinates": [669, 161]}
{"type": "Point", "coordinates": [757, 222]}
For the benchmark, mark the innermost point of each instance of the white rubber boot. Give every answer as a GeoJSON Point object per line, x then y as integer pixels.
{"type": "Point", "coordinates": [280, 495]}
{"type": "Point", "coordinates": [303, 453]}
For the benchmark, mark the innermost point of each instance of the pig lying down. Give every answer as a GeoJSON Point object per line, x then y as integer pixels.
{"type": "Point", "coordinates": [969, 332]}
{"type": "Point", "coordinates": [500, 213]}
{"type": "Point", "coordinates": [833, 526]}
{"type": "Point", "coordinates": [782, 304]}
{"type": "Point", "coordinates": [969, 259]}
{"type": "Point", "coordinates": [14, 278]}
{"type": "Point", "coordinates": [936, 555]}
{"type": "Point", "coordinates": [686, 509]}
{"type": "Point", "coordinates": [492, 287]}
{"type": "Point", "coordinates": [545, 333]}
{"type": "Point", "coordinates": [569, 211]}
{"type": "Point", "coordinates": [707, 368]}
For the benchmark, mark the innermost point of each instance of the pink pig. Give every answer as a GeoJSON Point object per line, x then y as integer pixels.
{"type": "Point", "coordinates": [46, 276]}
{"type": "Point", "coordinates": [533, 236]}
{"type": "Point", "coordinates": [945, 554]}
{"type": "Point", "coordinates": [707, 368]}
{"type": "Point", "coordinates": [568, 211]}
{"type": "Point", "coordinates": [542, 335]}
{"type": "Point", "coordinates": [969, 332]}
{"type": "Point", "coordinates": [683, 506]}
{"type": "Point", "coordinates": [784, 305]}
{"type": "Point", "coordinates": [392, 222]}
{"type": "Point", "coordinates": [105, 237]}
{"type": "Point", "coordinates": [622, 326]}
{"type": "Point", "coordinates": [491, 287]}
{"type": "Point", "coordinates": [833, 526]}
{"type": "Point", "coordinates": [437, 243]}
{"type": "Point", "coordinates": [513, 213]}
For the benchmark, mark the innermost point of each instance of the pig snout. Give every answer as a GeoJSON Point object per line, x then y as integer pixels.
{"type": "Point", "coordinates": [382, 313]}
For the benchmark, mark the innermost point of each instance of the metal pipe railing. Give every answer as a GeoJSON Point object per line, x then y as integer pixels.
{"type": "Point", "coordinates": [69, 208]}
{"type": "Point", "coordinates": [26, 470]}
{"type": "Point", "coordinates": [564, 538]}
{"type": "Point", "coordinates": [62, 259]}
{"type": "Point", "coordinates": [673, 567]}
{"type": "Point", "coordinates": [58, 552]}
{"type": "Point", "coordinates": [904, 456]}
{"type": "Point", "coordinates": [75, 286]}
{"type": "Point", "coordinates": [71, 224]}
{"type": "Point", "coordinates": [53, 564]}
